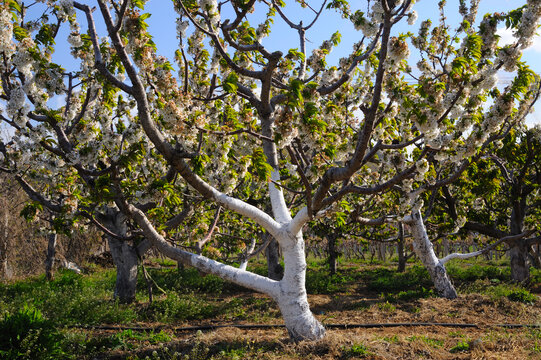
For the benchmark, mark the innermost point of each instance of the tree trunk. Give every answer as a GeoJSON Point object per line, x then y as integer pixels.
{"type": "Point", "coordinates": [535, 252]}
{"type": "Point", "coordinates": [180, 266]}
{"type": "Point", "coordinates": [518, 254]}
{"type": "Point", "coordinates": [425, 251]}
{"type": "Point", "coordinates": [292, 300]}
{"type": "Point", "coordinates": [51, 252]}
{"type": "Point", "coordinates": [445, 246]}
{"type": "Point", "coordinates": [382, 251]}
{"type": "Point", "coordinates": [246, 256]}
{"type": "Point", "coordinates": [4, 271]}
{"type": "Point", "coordinates": [333, 254]}
{"type": "Point", "coordinates": [125, 255]}
{"type": "Point", "coordinates": [126, 261]}
{"type": "Point", "coordinates": [400, 249]}
{"type": "Point", "coordinates": [272, 252]}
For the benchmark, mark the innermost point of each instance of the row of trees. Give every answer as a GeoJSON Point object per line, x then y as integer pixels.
{"type": "Point", "coordinates": [153, 151]}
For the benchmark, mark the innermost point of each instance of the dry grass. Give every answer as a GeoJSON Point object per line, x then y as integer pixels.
{"type": "Point", "coordinates": [431, 342]}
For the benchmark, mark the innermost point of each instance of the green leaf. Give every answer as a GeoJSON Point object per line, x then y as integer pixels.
{"type": "Point", "coordinates": [260, 164]}
{"type": "Point", "coordinates": [20, 33]}
{"type": "Point", "coordinates": [230, 83]}
{"type": "Point", "coordinates": [296, 54]}
{"type": "Point", "coordinates": [295, 98]}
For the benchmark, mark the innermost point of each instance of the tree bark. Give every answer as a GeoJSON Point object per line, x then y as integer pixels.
{"type": "Point", "coordinates": [246, 256]}
{"type": "Point", "coordinates": [274, 268]}
{"type": "Point", "coordinates": [4, 271]}
{"type": "Point", "coordinates": [518, 254]}
{"type": "Point", "coordinates": [51, 252]}
{"type": "Point", "coordinates": [425, 251]}
{"type": "Point", "coordinates": [535, 256]}
{"type": "Point", "coordinates": [382, 251]}
{"type": "Point", "coordinates": [126, 262]}
{"type": "Point", "coordinates": [333, 255]}
{"type": "Point", "coordinates": [400, 249]}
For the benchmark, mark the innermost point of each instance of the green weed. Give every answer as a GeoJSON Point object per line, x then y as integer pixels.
{"type": "Point", "coordinates": [358, 350]}
{"type": "Point", "coordinates": [429, 341]}
{"type": "Point", "coordinates": [178, 307]}
{"type": "Point", "coordinates": [387, 307]}
{"type": "Point", "coordinates": [391, 339]}
{"type": "Point", "coordinates": [320, 282]}
{"type": "Point", "coordinates": [462, 346]}
{"type": "Point", "coordinates": [459, 272]}
{"type": "Point", "coordinates": [409, 295]}
{"type": "Point", "coordinates": [521, 295]}
{"type": "Point", "coordinates": [498, 291]}
{"type": "Point", "coordinates": [26, 334]}
{"type": "Point", "coordinates": [386, 280]}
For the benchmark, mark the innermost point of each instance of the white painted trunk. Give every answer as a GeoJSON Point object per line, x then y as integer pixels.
{"type": "Point", "coordinates": [249, 251]}
{"type": "Point", "coordinates": [289, 293]}
{"type": "Point", "coordinates": [292, 300]}
{"type": "Point", "coordinates": [425, 251]}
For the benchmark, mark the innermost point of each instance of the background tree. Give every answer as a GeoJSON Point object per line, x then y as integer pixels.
{"type": "Point", "coordinates": [498, 197]}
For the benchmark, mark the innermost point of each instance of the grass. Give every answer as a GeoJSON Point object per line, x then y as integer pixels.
{"type": "Point", "coordinates": [190, 298]}
{"type": "Point", "coordinates": [356, 351]}
{"type": "Point", "coordinates": [461, 346]}
{"type": "Point", "coordinates": [383, 279]}
{"type": "Point", "coordinates": [70, 299]}
{"type": "Point", "coordinates": [427, 340]}
{"type": "Point", "coordinates": [498, 291]}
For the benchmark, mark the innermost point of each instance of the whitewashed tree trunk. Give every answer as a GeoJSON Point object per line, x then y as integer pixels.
{"type": "Point", "coordinates": [249, 250]}
{"type": "Point", "coordinates": [292, 300]}
{"type": "Point", "coordinates": [425, 251]}
{"type": "Point", "coordinates": [289, 293]}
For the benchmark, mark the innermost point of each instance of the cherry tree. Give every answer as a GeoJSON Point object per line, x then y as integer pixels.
{"type": "Point", "coordinates": [476, 202]}
{"type": "Point", "coordinates": [316, 136]}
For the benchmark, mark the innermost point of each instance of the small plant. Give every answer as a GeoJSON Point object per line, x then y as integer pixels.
{"type": "Point", "coordinates": [455, 334]}
{"type": "Point", "coordinates": [522, 295]}
{"type": "Point", "coordinates": [357, 350]}
{"type": "Point", "coordinates": [391, 339]}
{"type": "Point", "coordinates": [387, 307]}
{"type": "Point", "coordinates": [429, 341]}
{"type": "Point", "coordinates": [27, 335]}
{"type": "Point", "coordinates": [537, 347]}
{"type": "Point", "coordinates": [462, 346]}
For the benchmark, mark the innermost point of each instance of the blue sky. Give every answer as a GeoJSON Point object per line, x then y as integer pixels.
{"type": "Point", "coordinates": [163, 28]}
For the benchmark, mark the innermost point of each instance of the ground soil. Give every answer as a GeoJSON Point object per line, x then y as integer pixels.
{"type": "Point", "coordinates": [488, 341]}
